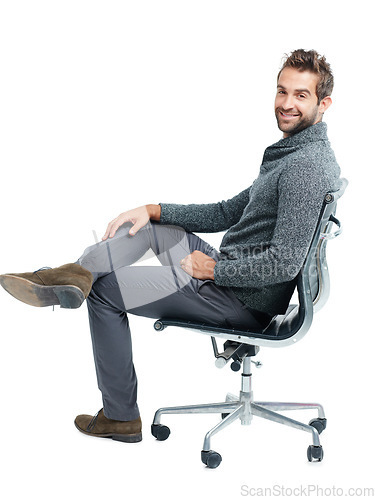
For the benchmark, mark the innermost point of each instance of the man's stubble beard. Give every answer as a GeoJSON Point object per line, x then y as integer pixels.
{"type": "Point", "coordinates": [301, 124]}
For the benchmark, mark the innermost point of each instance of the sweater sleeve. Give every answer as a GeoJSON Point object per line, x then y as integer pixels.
{"type": "Point", "coordinates": [301, 191]}
{"type": "Point", "coordinates": [206, 218]}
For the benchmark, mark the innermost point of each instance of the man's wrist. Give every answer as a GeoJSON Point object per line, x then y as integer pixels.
{"type": "Point", "coordinates": [154, 212]}
{"type": "Point", "coordinates": [209, 268]}
{"type": "Point", "coordinates": [213, 272]}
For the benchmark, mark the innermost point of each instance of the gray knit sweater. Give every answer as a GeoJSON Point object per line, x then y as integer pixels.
{"type": "Point", "coordinates": [269, 225]}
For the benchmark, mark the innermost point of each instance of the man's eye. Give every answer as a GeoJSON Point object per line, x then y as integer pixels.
{"type": "Point", "coordinates": [302, 96]}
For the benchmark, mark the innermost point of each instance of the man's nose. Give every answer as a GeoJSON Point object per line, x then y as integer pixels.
{"type": "Point", "coordinates": [288, 102]}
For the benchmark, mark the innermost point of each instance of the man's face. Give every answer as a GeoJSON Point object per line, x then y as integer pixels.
{"type": "Point", "coordinates": [296, 103]}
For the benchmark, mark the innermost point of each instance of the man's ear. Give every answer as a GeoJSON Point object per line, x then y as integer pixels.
{"type": "Point", "coordinates": [325, 104]}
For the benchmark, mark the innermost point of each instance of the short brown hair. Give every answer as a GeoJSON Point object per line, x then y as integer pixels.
{"type": "Point", "coordinates": [310, 60]}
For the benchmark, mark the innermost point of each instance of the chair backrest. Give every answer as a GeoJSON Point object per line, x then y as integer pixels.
{"type": "Point", "coordinates": [312, 280]}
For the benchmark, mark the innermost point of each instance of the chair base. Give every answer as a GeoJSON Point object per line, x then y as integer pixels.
{"type": "Point", "coordinates": [243, 408]}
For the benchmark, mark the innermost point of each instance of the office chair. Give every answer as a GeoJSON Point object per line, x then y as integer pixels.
{"type": "Point", "coordinates": [240, 346]}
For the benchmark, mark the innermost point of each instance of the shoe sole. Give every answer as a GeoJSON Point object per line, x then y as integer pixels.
{"type": "Point", "coordinates": [124, 438]}
{"type": "Point", "coordinates": [66, 296]}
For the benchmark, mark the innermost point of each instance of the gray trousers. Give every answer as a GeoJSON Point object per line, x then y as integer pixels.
{"type": "Point", "coordinates": [152, 291]}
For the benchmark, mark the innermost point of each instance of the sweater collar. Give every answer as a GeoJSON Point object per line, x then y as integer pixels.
{"type": "Point", "coordinates": [314, 133]}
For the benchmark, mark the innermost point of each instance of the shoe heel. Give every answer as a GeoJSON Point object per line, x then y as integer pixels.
{"type": "Point", "coordinates": [69, 297]}
{"type": "Point", "coordinates": [128, 438]}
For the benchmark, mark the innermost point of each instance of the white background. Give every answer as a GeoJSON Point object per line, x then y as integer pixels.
{"type": "Point", "coordinates": [110, 105]}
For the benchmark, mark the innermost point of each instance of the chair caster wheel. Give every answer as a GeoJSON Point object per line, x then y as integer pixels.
{"type": "Point", "coordinates": [161, 432]}
{"type": "Point", "coordinates": [319, 424]}
{"type": "Point", "coordinates": [315, 453]}
{"type": "Point", "coordinates": [211, 459]}
{"type": "Point", "coordinates": [158, 325]}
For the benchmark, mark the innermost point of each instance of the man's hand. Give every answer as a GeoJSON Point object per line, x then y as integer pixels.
{"type": "Point", "coordinates": [138, 216]}
{"type": "Point", "coordinates": [199, 265]}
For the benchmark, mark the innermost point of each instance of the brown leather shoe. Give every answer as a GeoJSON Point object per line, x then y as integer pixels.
{"type": "Point", "coordinates": [101, 426]}
{"type": "Point", "coordinates": [67, 286]}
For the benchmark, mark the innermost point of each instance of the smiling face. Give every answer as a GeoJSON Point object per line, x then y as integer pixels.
{"type": "Point", "coordinates": [296, 103]}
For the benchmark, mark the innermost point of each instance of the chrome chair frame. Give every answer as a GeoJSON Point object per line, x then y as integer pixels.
{"type": "Point", "coordinates": [312, 285]}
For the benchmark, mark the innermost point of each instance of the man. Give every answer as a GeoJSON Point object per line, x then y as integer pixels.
{"type": "Point", "coordinates": [269, 227]}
